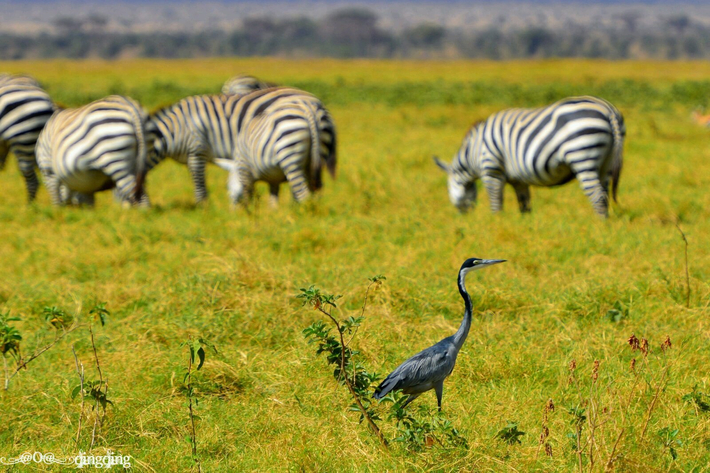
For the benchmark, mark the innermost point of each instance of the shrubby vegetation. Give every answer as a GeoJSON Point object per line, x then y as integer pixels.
{"type": "Point", "coordinates": [354, 32]}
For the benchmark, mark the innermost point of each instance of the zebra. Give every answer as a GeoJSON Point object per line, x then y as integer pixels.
{"type": "Point", "coordinates": [217, 128]}
{"type": "Point", "coordinates": [24, 110]}
{"type": "Point", "coordinates": [96, 147]}
{"type": "Point", "coordinates": [281, 134]}
{"type": "Point", "coordinates": [580, 137]}
{"type": "Point", "coordinates": [193, 131]}
{"type": "Point", "coordinates": [244, 84]}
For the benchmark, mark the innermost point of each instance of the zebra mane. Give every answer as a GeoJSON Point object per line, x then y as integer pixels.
{"type": "Point", "coordinates": [162, 109]}
{"type": "Point", "coordinates": [476, 124]}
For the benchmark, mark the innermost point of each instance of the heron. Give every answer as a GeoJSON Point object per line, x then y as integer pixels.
{"type": "Point", "coordinates": [429, 368]}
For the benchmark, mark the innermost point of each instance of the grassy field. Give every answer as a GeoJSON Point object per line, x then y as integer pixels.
{"type": "Point", "coordinates": [574, 288]}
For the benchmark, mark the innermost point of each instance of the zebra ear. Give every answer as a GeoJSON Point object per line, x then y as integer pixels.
{"type": "Point", "coordinates": [442, 164]}
{"type": "Point", "coordinates": [226, 164]}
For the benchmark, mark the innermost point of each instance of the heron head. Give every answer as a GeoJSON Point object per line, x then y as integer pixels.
{"type": "Point", "coordinates": [473, 264]}
{"type": "Point", "coordinates": [462, 189]}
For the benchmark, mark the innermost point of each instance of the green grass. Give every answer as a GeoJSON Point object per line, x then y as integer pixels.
{"type": "Point", "coordinates": [266, 401]}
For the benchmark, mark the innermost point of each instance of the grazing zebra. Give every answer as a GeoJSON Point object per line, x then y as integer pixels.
{"type": "Point", "coordinates": [244, 84]}
{"type": "Point", "coordinates": [96, 147]}
{"type": "Point", "coordinates": [193, 131]}
{"type": "Point", "coordinates": [580, 137]}
{"type": "Point", "coordinates": [24, 110]}
{"type": "Point", "coordinates": [218, 128]}
{"type": "Point", "coordinates": [281, 134]}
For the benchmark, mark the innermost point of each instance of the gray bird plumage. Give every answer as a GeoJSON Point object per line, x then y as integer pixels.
{"type": "Point", "coordinates": [429, 368]}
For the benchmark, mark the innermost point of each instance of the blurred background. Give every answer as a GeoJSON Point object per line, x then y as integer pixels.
{"type": "Point", "coordinates": [32, 29]}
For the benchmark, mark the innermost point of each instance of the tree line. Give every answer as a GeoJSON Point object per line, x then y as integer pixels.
{"type": "Point", "coordinates": [355, 33]}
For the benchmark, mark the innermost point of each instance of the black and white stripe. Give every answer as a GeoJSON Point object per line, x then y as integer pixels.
{"type": "Point", "coordinates": [266, 135]}
{"type": "Point", "coordinates": [244, 84]}
{"type": "Point", "coordinates": [24, 110]}
{"type": "Point", "coordinates": [577, 137]}
{"type": "Point", "coordinates": [281, 135]}
{"type": "Point", "coordinates": [96, 147]}
{"type": "Point", "coordinates": [193, 131]}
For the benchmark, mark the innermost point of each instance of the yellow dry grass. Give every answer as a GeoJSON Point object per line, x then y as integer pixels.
{"type": "Point", "coordinates": [267, 402]}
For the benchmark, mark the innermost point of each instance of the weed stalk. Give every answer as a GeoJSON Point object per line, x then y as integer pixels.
{"type": "Point", "coordinates": [80, 372]}
{"type": "Point", "coordinates": [687, 272]}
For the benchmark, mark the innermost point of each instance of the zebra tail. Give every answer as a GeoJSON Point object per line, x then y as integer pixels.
{"type": "Point", "coordinates": [141, 159]}
{"type": "Point", "coordinates": [316, 164]}
{"type": "Point", "coordinates": [617, 151]}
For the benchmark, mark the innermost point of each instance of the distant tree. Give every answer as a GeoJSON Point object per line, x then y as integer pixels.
{"type": "Point", "coordinates": [96, 22]}
{"type": "Point", "coordinates": [425, 35]}
{"type": "Point", "coordinates": [630, 20]}
{"type": "Point", "coordinates": [536, 41]}
{"type": "Point", "coordinates": [678, 23]}
{"type": "Point", "coordinates": [353, 32]}
{"type": "Point", "coordinates": [692, 46]}
{"type": "Point", "coordinates": [489, 43]}
{"type": "Point", "coordinates": [67, 25]}
{"type": "Point", "coordinates": [260, 34]}
{"type": "Point", "coordinates": [298, 33]}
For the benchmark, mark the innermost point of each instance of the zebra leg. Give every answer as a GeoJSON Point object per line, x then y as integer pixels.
{"type": "Point", "coordinates": [298, 182]}
{"type": "Point", "coordinates": [81, 199]}
{"type": "Point", "coordinates": [51, 181]}
{"type": "Point", "coordinates": [595, 192]}
{"type": "Point", "coordinates": [273, 195]}
{"type": "Point", "coordinates": [144, 203]}
{"type": "Point", "coordinates": [247, 182]}
{"type": "Point", "coordinates": [196, 165]}
{"type": "Point", "coordinates": [4, 151]}
{"type": "Point", "coordinates": [27, 168]}
{"type": "Point", "coordinates": [494, 184]}
{"type": "Point", "coordinates": [65, 194]}
{"type": "Point", "coordinates": [117, 197]}
{"type": "Point", "coordinates": [522, 192]}
{"type": "Point", "coordinates": [124, 186]}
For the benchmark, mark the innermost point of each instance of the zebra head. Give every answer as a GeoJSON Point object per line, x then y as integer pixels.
{"type": "Point", "coordinates": [462, 189]}
{"type": "Point", "coordinates": [244, 84]}
{"type": "Point", "coordinates": [235, 188]}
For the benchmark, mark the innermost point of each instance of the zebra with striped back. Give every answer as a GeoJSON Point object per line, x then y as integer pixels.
{"type": "Point", "coordinates": [281, 135]}
{"type": "Point", "coordinates": [96, 147]}
{"type": "Point", "coordinates": [193, 131]}
{"type": "Point", "coordinates": [576, 137]}
{"type": "Point", "coordinates": [217, 128]}
{"type": "Point", "coordinates": [244, 84]}
{"type": "Point", "coordinates": [24, 110]}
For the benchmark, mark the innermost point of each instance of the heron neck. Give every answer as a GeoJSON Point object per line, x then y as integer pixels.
{"type": "Point", "coordinates": [462, 332]}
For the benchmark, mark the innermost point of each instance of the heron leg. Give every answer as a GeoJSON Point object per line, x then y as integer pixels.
{"type": "Point", "coordinates": [410, 399]}
{"type": "Point", "coordinates": [439, 388]}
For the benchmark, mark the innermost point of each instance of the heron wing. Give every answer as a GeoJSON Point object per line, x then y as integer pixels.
{"type": "Point", "coordinates": [421, 372]}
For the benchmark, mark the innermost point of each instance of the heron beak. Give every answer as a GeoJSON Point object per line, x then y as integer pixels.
{"type": "Point", "coordinates": [490, 262]}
